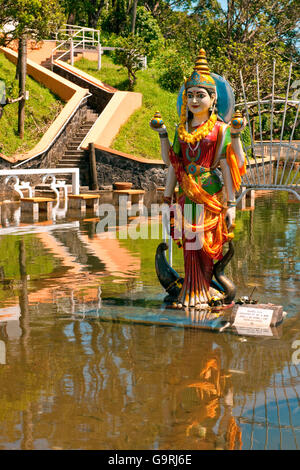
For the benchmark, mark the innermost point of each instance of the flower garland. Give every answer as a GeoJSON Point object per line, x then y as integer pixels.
{"type": "Point", "coordinates": [200, 133]}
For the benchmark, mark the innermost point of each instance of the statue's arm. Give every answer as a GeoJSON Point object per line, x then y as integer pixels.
{"type": "Point", "coordinates": [221, 144]}
{"type": "Point", "coordinates": [170, 184]}
{"type": "Point", "coordinates": [228, 135]}
{"type": "Point", "coordinates": [237, 146]}
{"type": "Point", "coordinates": [165, 147]}
{"type": "Point", "coordinates": [230, 192]}
{"type": "Point", "coordinates": [164, 142]}
{"type": "Point", "coordinates": [224, 138]}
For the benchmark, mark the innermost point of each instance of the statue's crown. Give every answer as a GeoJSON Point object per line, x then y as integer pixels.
{"type": "Point", "coordinates": [201, 75]}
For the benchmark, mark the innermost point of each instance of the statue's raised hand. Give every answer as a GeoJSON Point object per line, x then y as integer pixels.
{"type": "Point", "coordinates": [238, 123]}
{"type": "Point", "coordinates": [157, 124]}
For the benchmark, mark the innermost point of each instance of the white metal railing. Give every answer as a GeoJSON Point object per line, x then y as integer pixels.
{"type": "Point", "coordinates": [272, 163]}
{"type": "Point", "coordinates": [68, 29]}
{"type": "Point", "coordinates": [74, 172]}
{"type": "Point", "coordinates": [80, 38]}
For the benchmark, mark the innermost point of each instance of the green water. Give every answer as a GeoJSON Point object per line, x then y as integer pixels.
{"type": "Point", "coordinates": [69, 380]}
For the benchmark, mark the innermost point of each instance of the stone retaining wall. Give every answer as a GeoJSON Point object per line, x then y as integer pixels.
{"type": "Point", "coordinates": [115, 166]}
{"type": "Point", "coordinates": [99, 99]}
{"type": "Point", "coordinates": [55, 153]}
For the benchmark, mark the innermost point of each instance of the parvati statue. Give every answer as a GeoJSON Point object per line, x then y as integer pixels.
{"type": "Point", "coordinates": [207, 161]}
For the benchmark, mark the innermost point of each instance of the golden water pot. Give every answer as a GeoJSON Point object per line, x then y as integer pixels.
{"type": "Point", "coordinates": [157, 121]}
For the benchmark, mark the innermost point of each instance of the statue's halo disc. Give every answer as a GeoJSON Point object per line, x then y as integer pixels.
{"type": "Point", "coordinates": [225, 98]}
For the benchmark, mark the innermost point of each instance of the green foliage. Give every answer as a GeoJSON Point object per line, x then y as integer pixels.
{"type": "Point", "coordinates": [146, 26]}
{"type": "Point", "coordinates": [35, 18]}
{"type": "Point", "coordinates": [247, 34]}
{"type": "Point", "coordinates": [130, 53]}
{"type": "Point", "coordinates": [245, 137]}
{"type": "Point", "coordinates": [173, 68]}
{"type": "Point", "coordinates": [135, 136]}
{"type": "Point", "coordinates": [115, 19]}
{"type": "Point", "coordinates": [42, 108]}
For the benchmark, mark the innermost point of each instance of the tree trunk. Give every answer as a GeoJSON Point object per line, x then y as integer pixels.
{"type": "Point", "coordinates": [18, 67]}
{"type": "Point", "coordinates": [22, 84]}
{"type": "Point", "coordinates": [133, 18]}
{"type": "Point", "coordinates": [71, 18]}
{"type": "Point", "coordinates": [95, 12]}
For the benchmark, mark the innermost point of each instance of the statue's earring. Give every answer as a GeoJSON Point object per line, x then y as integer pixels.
{"type": "Point", "coordinates": [211, 108]}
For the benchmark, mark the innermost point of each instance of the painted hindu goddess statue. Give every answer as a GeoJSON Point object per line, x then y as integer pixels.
{"type": "Point", "coordinates": [207, 161]}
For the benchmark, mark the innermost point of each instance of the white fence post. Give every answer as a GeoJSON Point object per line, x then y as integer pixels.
{"type": "Point", "coordinates": [99, 56]}
{"type": "Point", "coordinates": [71, 52]}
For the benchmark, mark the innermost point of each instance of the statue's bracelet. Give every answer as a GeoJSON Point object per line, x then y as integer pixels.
{"type": "Point", "coordinates": [231, 203]}
{"type": "Point", "coordinates": [163, 135]}
{"type": "Point", "coordinates": [236, 135]}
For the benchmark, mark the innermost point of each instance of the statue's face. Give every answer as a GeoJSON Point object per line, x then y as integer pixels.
{"type": "Point", "coordinates": [198, 100]}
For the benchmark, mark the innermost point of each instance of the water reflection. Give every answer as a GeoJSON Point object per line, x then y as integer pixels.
{"type": "Point", "coordinates": [70, 380]}
{"type": "Point", "coordinates": [81, 383]}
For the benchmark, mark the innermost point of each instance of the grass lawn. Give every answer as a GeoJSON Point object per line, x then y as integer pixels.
{"type": "Point", "coordinates": [40, 111]}
{"type": "Point", "coordinates": [135, 136]}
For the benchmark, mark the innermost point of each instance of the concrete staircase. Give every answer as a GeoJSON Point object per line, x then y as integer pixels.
{"type": "Point", "coordinates": [75, 157]}
{"type": "Point", "coordinates": [47, 62]}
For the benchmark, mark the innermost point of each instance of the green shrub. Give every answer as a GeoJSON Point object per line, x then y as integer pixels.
{"type": "Point", "coordinates": [245, 137]}
{"type": "Point", "coordinates": [130, 53]}
{"type": "Point", "coordinates": [146, 26]}
{"type": "Point", "coordinates": [173, 69]}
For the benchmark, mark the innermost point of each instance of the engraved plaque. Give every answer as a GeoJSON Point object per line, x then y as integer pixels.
{"type": "Point", "coordinates": [256, 316]}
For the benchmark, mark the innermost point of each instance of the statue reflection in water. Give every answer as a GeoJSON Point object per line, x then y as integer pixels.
{"type": "Point", "coordinates": [211, 400]}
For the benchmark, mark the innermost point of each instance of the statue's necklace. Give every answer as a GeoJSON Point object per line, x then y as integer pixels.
{"type": "Point", "coordinates": [193, 154]}
{"type": "Point", "coordinates": [200, 133]}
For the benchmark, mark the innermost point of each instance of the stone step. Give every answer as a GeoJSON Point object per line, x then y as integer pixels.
{"type": "Point", "coordinates": [88, 123]}
{"type": "Point", "coordinates": [92, 117]}
{"type": "Point", "coordinates": [72, 147]}
{"type": "Point", "coordinates": [80, 134]}
{"type": "Point", "coordinates": [75, 163]}
{"type": "Point", "coordinates": [71, 165]}
{"type": "Point", "coordinates": [74, 151]}
{"type": "Point", "coordinates": [85, 129]}
{"type": "Point", "coordinates": [78, 153]}
{"type": "Point", "coordinates": [71, 162]}
{"type": "Point", "coordinates": [75, 141]}
{"type": "Point", "coordinates": [76, 158]}
{"type": "Point", "coordinates": [70, 159]}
